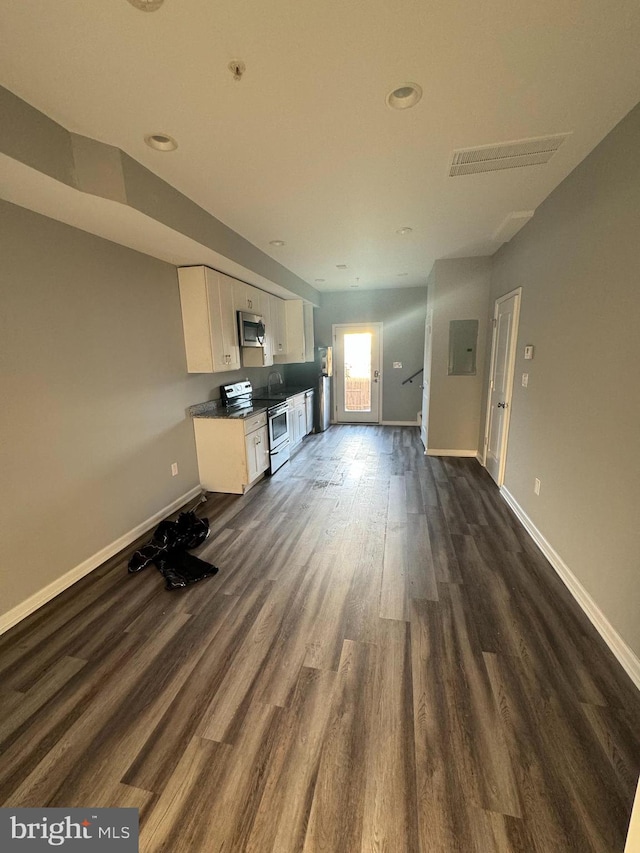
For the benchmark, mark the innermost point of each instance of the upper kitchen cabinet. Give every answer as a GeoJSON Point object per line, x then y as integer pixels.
{"type": "Point", "coordinates": [209, 320]}
{"type": "Point", "coordinates": [299, 332]}
{"type": "Point", "coordinates": [248, 298]}
{"type": "Point", "coordinates": [262, 356]}
{"type": "Point", "coordinates": [278, 325]}
{"type": "Point", "coordinates": [309, 354]}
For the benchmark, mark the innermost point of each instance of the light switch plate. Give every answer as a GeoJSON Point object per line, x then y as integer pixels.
{"type": "Point", "coordinates": [528, 351]}
{"type": "Point", "coordinates": [525, 380]}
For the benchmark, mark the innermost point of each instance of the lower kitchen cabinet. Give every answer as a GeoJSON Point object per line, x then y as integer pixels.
{"type": "Point", "coordinates": [297, 419]}
{"type": "Point", "coordinates": [257, 449]}
{"type": "Point", "coordinates": [309, 398]}
{"type": "Point", "coordinates": [232, 453]}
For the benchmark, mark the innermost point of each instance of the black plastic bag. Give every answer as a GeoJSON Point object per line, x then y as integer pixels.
{"type": "Point", "coordinates": [187, 532]}
{"type": "Point", "coordinates": [168, 550]}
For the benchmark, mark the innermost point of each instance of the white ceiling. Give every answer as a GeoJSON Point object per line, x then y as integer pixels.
{"type": "Point", "coordinates": [304, 148]}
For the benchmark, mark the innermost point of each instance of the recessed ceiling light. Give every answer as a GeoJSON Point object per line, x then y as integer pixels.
{"type": "Point", "coordinates": [147, 5]}
{"type": "Point", "coordinates": [276, 242]}
{"type": "Point", "coordinates": [161, 141]}
{"type": "Point", "coordinates": [405, 230]}
{"type": "Point", "coordinates": [400, 274]}
{"type": "Point", "coordinates": [319, 280]}
{"type": "Point", "coordinates": [341, 266]}
{"type": "Point", "coordinates": [404, 96]}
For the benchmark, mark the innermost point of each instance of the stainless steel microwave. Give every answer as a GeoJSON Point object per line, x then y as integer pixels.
{"type": "Point", "coordinates": [250, 330]}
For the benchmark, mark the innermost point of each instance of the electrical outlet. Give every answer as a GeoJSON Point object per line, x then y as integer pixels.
{"type": "Point", "coordinates": [525, 380]}
{"type": "Point", "coordinates": [397, 364]}
{"type": "Point", "coordinates": [536, 486]}
{"type": "Point", "coordinates": [174, 469]}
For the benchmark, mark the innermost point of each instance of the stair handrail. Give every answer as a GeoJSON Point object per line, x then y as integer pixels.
{"type": "Point", "coordinates": [413, 376]}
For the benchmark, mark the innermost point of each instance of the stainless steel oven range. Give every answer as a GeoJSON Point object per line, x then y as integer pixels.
{"type": "Point", "coordinates": [278, 423]}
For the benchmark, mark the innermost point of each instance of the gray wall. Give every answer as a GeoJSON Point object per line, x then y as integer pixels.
{"type": "Point", "coordinates": [458, 290]}
{"type": "Point", "coordinates": [94, 388]}
{"type": "Point", "coordinates": [576, 425]}
{"type": "Point", "coordinates": [402, 313]}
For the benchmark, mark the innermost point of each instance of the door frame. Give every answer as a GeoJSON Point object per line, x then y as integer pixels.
{"type": "Point", "coordinates": [511, 365]}
{"type": "Point", "coordinates": [426, 379]}
{"type": "Point", "coordinates": [334, 378]}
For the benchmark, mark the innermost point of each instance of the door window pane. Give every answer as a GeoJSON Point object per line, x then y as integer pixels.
{"type": "Point", "coordinates": [357, 372]}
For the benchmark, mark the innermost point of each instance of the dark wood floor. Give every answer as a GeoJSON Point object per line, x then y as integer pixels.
{"type": "Point", "coordinates": [385, 662]}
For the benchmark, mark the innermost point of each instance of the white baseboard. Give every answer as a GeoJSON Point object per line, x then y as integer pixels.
{"type": "Point", "coordinates": [469, 453]}
{"type": "Point", "coordinates": [35, 601]}
{"type": "Point", "coordinates": [620, 649]}
{"type": "Point", "coordinates": [399, 423]}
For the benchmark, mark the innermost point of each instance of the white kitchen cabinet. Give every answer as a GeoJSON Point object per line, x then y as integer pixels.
{"type": "Point", "coordinates": [307, 310]}
{"type": "Point", "coordinates": [247, 297]}
{"type": "Point", "coordinates": [299, 333]}
{"type": "Point", "coordinates": [309, 400]}
{"type": "Point", "coordinates": [279, 325]}
{"type": "Point", "coordinates": [208, 320]}
{"type": "Point", "coordinates": [297, 419]}
{"type": "Point", "coordinates": [257, 450]}
{"type": "Point", "coordinates": [232, 453]}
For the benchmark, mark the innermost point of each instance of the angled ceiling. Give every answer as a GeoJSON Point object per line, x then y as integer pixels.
{"type": "Point", "coordinates": [304, 148]}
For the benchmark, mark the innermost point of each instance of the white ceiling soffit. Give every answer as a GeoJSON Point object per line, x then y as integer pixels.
{"type": "Point", "coordinates": [511, 224]}
{"type": "Point", "coordinates": [505, 155]}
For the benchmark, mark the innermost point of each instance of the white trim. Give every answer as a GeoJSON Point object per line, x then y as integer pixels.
{"type": "Point", "coordinates": [35, 601]}
{"type": "Point", "coordinates": [620, 649]}
{"type": "Point", "coordinates": [433, 452]}
{"type": "Point", "coordinates": [399, 423]}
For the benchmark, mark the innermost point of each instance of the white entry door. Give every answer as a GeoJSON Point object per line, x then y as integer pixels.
{"type": "Point", "coordinates": [426, 381]}
{"type": "Point", "coordinates": [358, 383]}
{"type": "Point", "coordinates": [503, 355]}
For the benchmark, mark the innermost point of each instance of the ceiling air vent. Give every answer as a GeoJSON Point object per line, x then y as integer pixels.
{"type": "Point", "coordinates": [505, 155]}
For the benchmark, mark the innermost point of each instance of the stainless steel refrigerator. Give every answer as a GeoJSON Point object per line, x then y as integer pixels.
{"type": "Point", "coordinates": [323, 408]}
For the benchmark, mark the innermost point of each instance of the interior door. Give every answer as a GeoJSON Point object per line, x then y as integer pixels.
{"type": "Point", "coordinates": [426, 381]}
{"type": "Point", "coordinates": [503, 353]}
{"type": "Point", "coordinates": [358, 382]}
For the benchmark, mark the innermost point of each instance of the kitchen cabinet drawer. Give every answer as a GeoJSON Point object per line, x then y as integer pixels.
{"type": "Point", "coordinates": [255, 422]}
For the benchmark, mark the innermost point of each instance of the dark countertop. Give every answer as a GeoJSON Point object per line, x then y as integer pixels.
{"type": "Point", "coordinates": [261, 402]}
